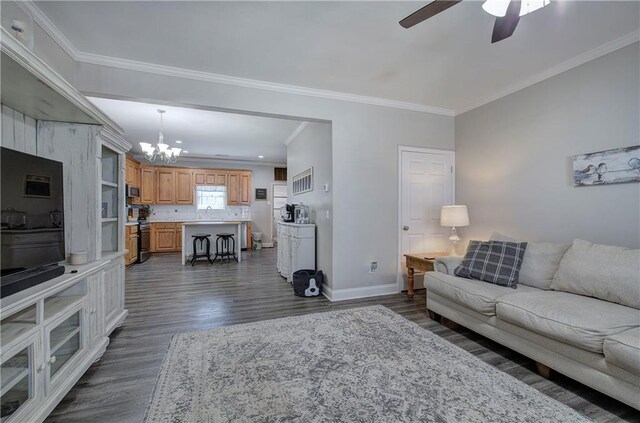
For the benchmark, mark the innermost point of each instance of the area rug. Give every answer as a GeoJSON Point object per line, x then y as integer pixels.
{"type": "Point", "coordinates": [358, 365]}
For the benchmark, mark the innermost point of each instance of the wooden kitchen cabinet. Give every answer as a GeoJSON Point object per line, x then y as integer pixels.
{"type": "Point", "coordinates": [210, 177]}
{"type": "Point", "coordinates": [165, 186]}
{"type": "Point", "coordinates": [147, 184]}
{"type": "Point", "coordinates": [175, 185]}
{"type": "Point", "coordinates": [132, 245]}
{"type": "Point", "coordinates": [132, 172]}
{"type": "Point", "coordinates": [184, 186]}
{"type": "Point", "coordinates": [166, 237]}
{"type": "Point", "coordinates": [245, 188]}
{"type": "Point", "coordinates": [239, 187]}
{"type": "Point", "coordinates": [233, 188]}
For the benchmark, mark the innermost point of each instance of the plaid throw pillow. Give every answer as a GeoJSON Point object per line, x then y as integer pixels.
{"type": "Point", "coordinates": [496, 262]}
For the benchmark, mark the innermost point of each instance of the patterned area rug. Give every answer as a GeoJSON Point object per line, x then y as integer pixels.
{"type": "Point", "coordinates": [363, 365]}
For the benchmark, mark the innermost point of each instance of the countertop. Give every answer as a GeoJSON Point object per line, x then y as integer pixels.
{"type": "Point", "coordinates": [216, 222]}
{"type": "Point", "coordinates": [195, 220]}
{"type": "Point", "coordinates": [131, 224]}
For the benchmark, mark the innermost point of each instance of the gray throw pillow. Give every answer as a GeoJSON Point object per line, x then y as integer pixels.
{"type": "Point", "coordinates": [540, 261]}
{"type": "Point", "coordinates": [496, 262]}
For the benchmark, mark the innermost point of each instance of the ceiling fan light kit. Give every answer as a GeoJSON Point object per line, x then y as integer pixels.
{"type": "Point", "coordinates": [507, 13]}
{"type": "Point", "coordinates": [498, 8]}
{"type": "Point", "coordinates": [161, 151]}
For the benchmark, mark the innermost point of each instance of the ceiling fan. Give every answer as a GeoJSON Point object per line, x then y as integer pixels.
{"type": "Point", "coordinates": [507, 13]}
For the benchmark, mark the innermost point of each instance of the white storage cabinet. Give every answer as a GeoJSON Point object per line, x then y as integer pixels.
{"type": "Point", "coordinates": [296, 248]}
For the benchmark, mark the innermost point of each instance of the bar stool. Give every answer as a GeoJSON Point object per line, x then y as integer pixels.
{"type": "Point", "coordinates": [223, 249]}
{"type": "Point", "coordinates": [207, 253]}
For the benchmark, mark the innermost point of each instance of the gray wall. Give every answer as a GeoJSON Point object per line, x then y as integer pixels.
{"type": "Point", "coordinates": [513, 156]}
{"type": "Point", "coordinates": [312, 148]}
{"type": "Point", "coordinates": [365, 140]}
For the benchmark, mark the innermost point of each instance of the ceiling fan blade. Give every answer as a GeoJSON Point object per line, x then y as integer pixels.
{"type": "Point", "coordinates": [427, 12]}
{"type": "Point", "coordinates": [505, 25]}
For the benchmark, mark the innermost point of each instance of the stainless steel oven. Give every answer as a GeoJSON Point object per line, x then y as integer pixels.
{"type": "Point", "coordinates": [144, 242]}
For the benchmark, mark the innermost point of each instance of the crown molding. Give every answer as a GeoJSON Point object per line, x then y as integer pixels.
{"type": "Point", "coordinates": [80, 57]}
{"type": "Point", "coordinates": [95, 59]}
{"type": "Point", "coordinates": [114, 140]}
{"type": "Point", "coordinates": [296, 132]}
{"type": "Point", "coordinates": [49, 27]}
{"type": "Point", "coordinates": [575, 61]}
{"type": "Point", "coordinates": [133, 65]}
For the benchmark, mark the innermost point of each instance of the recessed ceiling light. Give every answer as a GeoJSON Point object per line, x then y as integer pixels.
{"type": "Point", "coordinates": [261, 157]}
{"type": "Point", "coordinates": [178, 142]}
{"type": "Point", "coordinates": [185, 151]}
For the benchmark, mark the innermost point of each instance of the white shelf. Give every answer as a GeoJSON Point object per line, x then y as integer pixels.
{"type": "Point", "coordinates": [11, 376]}
{"type": "Point", "coordinates": [109, 184]}
{"type": "Point", "coordinates": [55, 305]}
{"type": "Point", "coordinates": [60, 338]}
{"type": "Point", "coordinates": [9, 332]}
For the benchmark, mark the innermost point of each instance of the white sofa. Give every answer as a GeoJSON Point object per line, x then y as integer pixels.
{"type": "Point", "coordinates": [576, 310]}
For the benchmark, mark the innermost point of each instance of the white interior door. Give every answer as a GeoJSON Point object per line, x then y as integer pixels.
{"type": "Point", "coordinates": [278, 200]}
{"type": "Point", "coordinates": [426, 184]}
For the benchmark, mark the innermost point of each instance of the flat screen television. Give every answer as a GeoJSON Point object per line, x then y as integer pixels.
{"type": "Point", "coordinates": [32, 219]}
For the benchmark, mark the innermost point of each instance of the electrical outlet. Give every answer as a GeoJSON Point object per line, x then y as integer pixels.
{"type": "Point", "coordinates": [374, 267]}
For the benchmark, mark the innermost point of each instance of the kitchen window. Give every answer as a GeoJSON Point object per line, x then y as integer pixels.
{"type": "Point", "coordinates": [211, 197]}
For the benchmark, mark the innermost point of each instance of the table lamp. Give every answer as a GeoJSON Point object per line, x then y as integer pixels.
{"type": "Point", "coordinates": [454, 216]}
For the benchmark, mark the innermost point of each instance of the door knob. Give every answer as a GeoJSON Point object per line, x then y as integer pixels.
{"type": "Point", "coordinates": [405, 228]}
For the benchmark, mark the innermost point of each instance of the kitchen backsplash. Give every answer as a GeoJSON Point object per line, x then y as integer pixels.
{"type": "Point", "coordinates": [177, 213]}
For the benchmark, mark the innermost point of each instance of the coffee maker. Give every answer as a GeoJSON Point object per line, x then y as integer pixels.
{"type": "Point", "coordinates": [287, 212]}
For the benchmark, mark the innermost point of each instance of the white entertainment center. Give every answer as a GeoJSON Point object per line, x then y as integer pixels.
{"type": "Point", "coordinates": [53, 332]}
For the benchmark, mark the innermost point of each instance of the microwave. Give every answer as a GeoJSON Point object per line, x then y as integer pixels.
{"type": "Point", "coordinates": [133, 191]}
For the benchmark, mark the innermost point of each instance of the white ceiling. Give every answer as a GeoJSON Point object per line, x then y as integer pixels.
{"type": "Point", "coordinates": [204, 133]}
{"type": "Point", "coordinates": [353, 47]}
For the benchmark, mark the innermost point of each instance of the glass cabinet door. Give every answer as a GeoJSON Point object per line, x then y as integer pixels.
{"type": "Point", "coordinates": [65, 342]}
{"type": "Point", "coordinates": [17, 382]}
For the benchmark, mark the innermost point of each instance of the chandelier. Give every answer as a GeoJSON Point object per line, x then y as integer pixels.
{"type": "Point", "coordinates": [161, 151]}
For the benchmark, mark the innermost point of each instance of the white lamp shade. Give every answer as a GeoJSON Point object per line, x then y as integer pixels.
{"type": "Point", "coordinates": [162, 147]}
{"type": "Point", "coordinates": [454, 216]}
{"type": "Point", "coordinates": [176, 151]}
{"type": "Point", "coordinates": [145, 146]}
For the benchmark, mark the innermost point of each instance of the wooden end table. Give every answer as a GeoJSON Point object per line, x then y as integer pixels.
{"type": "Point", "coordinates": [422, 262]}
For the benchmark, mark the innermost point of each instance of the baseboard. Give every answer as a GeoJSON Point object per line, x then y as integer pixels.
{"type": "Point", "coordinates": [364, 292]}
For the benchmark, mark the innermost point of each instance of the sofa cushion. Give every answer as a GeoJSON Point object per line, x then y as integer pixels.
{"type": "Point", "coordinates": [600, 271]}
{"type": "Point", "coordinates": [496, 262]}
{"type": "Point", "coordinates": [540, 261]}
{"type": "Point", "coordinates": [478, 296]}
{"type": "Point", "coordinates": [583, 322]}
{"type": "Point", "coordinates": [623, 350]}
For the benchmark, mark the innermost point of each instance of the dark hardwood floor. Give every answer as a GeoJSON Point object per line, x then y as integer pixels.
{"type": "Point", "coordinates": [164, 298]}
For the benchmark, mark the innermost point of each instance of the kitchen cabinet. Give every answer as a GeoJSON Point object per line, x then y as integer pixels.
{"type": "Point", "coordinates": [175, 185]}
{"type": "Point", "coordinates": [132, 172]}
{"type": "Point", "coordinates": [184, 186]}
{"type": "Point", "coordinates": [239, 187]}
{"type": "Point", "coordinates": [147, 185]}
{"type": "Point", "coordinates": [233, 188]}
{"type": "Point", "coordinates": [165, 186]}
{"type": "Point", "coordinates": [210, 177]}
{"type": "Point", "coordinates": [245, 188]}
{"type": "Point", "coordinates": [132, 245]}
{"type": "Point", "coordinates": [166, 237]}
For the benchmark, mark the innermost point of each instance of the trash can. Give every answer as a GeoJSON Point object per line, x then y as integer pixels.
{"type": "Point", "coordinates": [307, 283]}
{"type": "Point", "coordinates": [257, 240]}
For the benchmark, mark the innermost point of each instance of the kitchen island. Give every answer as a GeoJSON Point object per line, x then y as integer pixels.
{"type": "Point", "coordinates": [213, 228]}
